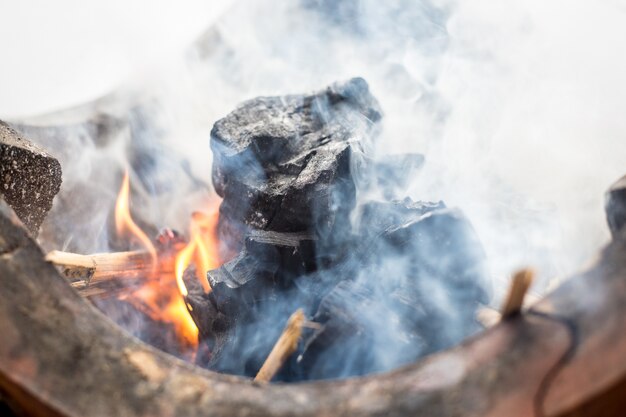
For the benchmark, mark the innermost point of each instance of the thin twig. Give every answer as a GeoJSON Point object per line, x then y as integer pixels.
{"type": "Point", "coordinates": [521, 282]}
{"type": "Point", "coordinates": [285, 346]}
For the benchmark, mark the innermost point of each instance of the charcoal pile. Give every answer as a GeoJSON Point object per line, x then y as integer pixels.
{"type": "Point", "coordinates": [386, 281]}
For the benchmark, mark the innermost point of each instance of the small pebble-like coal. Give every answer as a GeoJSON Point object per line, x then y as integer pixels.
{"type": "Point", "coordinates": [616, 208]}
{"type": "Point", "coordinates": [29, 178]}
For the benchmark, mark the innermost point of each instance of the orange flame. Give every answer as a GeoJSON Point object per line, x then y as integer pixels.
{"type": "Point", "coordinates": [163, 299]}
{"type": "Point", "coordinates": [202, 248]}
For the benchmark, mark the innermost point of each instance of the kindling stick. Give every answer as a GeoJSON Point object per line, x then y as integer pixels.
{"type": "Point", "coordinates": [285, 346]}
{"type": "Point", "coordinates": [521, 282]}
{"type": "Point", "coordinates": [105, 266]}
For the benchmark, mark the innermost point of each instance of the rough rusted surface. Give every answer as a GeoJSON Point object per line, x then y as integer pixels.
{"type": "Point", "coordinates": [29, 177]}
{"type": "Point", "coordinates": [60, 356]}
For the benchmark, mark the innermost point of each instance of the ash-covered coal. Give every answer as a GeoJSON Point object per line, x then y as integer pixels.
{"type": "Point", "coordinates": [388, 280]}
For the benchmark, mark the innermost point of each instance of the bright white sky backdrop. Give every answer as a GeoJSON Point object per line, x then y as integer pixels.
{"type": "Point", "coordinates": [55, 54]}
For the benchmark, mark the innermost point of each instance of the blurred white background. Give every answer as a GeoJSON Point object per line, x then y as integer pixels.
{"type": "Point", "coordinates": [61, 53]}
{"type": "Point", "coordinates": [518, 105]}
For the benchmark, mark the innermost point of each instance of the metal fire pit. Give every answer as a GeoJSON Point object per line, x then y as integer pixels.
{"type": "Point", "coordinates": [59, 356]}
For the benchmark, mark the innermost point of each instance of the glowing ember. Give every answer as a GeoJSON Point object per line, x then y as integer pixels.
{"type": "Point", "coordinates": [163, 299]}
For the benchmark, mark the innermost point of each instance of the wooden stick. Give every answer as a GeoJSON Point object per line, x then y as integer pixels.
{"type": "Point", "coordinates": [91, 269]}
{"type": "Point", "coordinates": [285, 346]}
{"type": "Point", "coordinates": [520, 284]}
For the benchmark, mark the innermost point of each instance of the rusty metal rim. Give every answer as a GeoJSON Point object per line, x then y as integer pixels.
{"type": "Point", "coordinates": [61, 356]}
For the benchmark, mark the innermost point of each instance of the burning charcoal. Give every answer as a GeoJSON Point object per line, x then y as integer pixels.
{"type": "Point", "coordinates": [261, 275]}
{"type": "Point", "coordinates": [433, 270]}
{"type": "Point", "coordinates": [283, 163]}
{"type": "Point", "coordinates": [616, 208]}
{"type": "Point", "coordinates": [405, 282]}
{"type": "Point", "coordinates": [441, 246]}
{"type": "Point", "coordinates": [357, 324]}
{"type": "Point", "coordinates": [276, 257]}
{"type": "Point", "coordinates": [29, 178]}
{"type": "Point", "coordinates": [238, 326]}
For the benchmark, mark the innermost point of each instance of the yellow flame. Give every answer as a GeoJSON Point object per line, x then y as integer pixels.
{"type": "Point", "coordinates": [202, 250]}
{"type": "Point", "coordinates": [164, 299]}
{"type": "Point", "coordinates": [158, 298]}
{"type": "Point", "coordinates": [183, 259]}
{"type": "Point", "coordinates": [204, 232]}
{"type": "Point", "coordinates": [124, 223]}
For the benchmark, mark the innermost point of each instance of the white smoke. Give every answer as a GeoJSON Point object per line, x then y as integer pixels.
{"type": "Point", "coordinates": [517, 106]}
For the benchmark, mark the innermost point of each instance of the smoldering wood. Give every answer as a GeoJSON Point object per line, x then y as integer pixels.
{"type": "Point", "coordinates": [29, 177]}
{"type": "Point", "coordinates": [533, 363]}
{"type": "Point", "coordinates": [615, 205]}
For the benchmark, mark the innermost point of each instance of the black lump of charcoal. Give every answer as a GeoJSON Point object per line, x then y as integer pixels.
{"type": "Point", "coordinates": [271, 256]}
{"type": "Point", "coordinates": [440, 246]}
{"type": "Point", "coordinates": [413, 291]}
{"type": "Point", "coordinates": [361, 333]}
{"type": "Point", "coordinates": [283, 163]}
{"type": "Point", "coordinates": [239, 326]}
{"type": "Point", "coordinates": [377, 216]}
{"type": "Point", "coordinates": [615, 206]}
{"type": "Point", "coordinates": [388, 282]}
{"type": "Point", "coordinates": [29, 178]}
{"type": "Point", "coordinates": [250, 294]}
